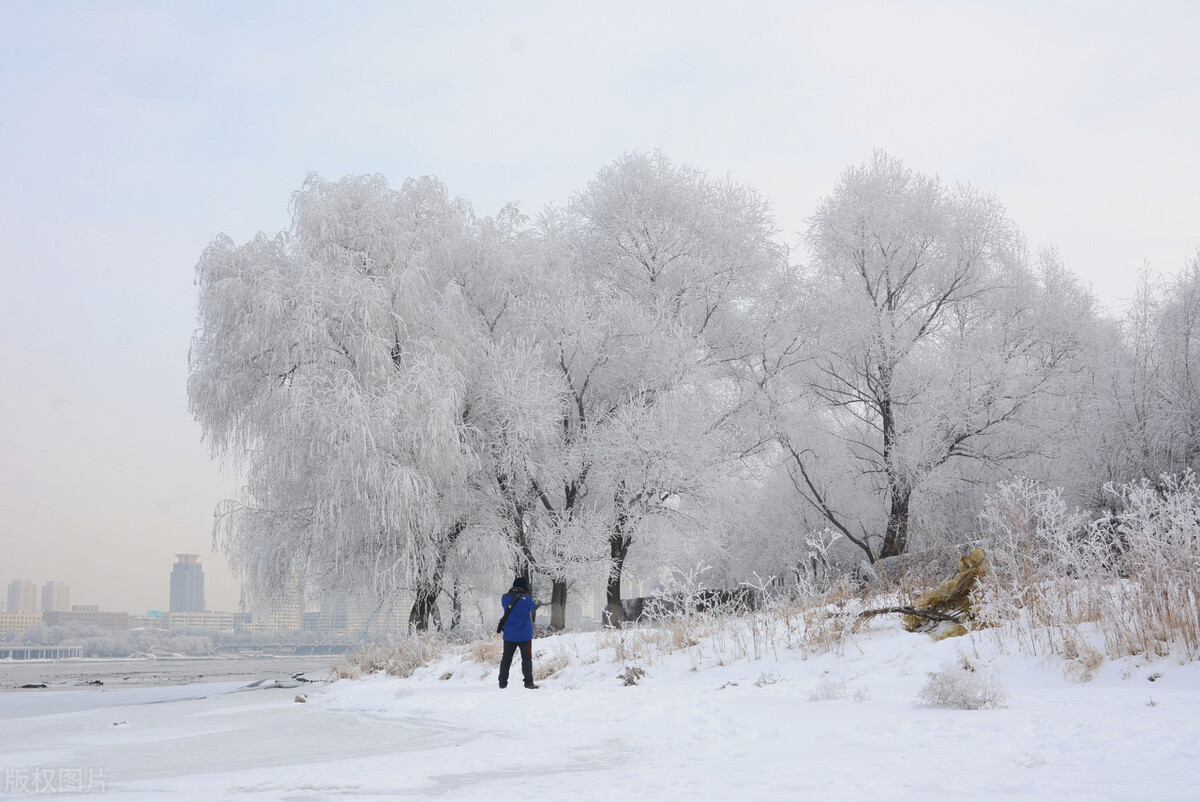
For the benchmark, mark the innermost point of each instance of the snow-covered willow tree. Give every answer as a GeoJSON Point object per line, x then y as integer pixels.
{"type": "Point", "coordinates": [345, 366]}
{"type": "Point", "coordinates": [935, 341]}
{"type": "Point", "coordinates": [667, 262]}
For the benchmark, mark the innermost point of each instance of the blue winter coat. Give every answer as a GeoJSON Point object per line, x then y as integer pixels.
{"type": "Point", "coordinates": [519, 626]}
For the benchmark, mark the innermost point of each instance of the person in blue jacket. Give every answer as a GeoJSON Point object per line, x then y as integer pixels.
{"type": "Point", "coordinates": [518, 631]}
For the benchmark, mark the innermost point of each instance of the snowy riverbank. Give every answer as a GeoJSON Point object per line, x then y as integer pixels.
{"type": "Point", "coordinates": [829, 727]}
{"type": "Point", "coordinates": [134, 672]}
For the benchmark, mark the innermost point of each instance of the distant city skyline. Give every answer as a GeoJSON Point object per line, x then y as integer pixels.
{"type": "Point", "coordinates": [183, 590]}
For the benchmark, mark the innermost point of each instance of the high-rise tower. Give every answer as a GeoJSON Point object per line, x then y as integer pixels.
{"type": "Point", "coordinates": [56, 597]}
{"type": "Point", "coordinates": [187, 585]}
{"type": "Point", "coordinates": [22, 596]}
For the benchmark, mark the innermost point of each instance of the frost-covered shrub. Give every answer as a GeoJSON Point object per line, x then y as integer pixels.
{"type": "Point", "coordinates": [1132, 574]}
{"type": "Point", "coordinates": [548, 667]}
{"type": "Point", "coordinates": [767, 678]}
{"type": "Point", "coordinates": [399, 659]}
{"type": "Point", "coordinates": [486, 650]}
{"type": "Point", "coordinates": [757, 619]}
{"type": "Point", "coordinates": [823, 623]}
{"type": "Point", "coordinates": [636, 643]}
{"type": "Point", "coordinates": [1032, 540]}
{"type": "Point", "coordinates": [828, 690]}
{"type": "Point", "coordinates": [1082, 659]}
{"type": "Point", "coordinates": [962, 686]}
{"type": "Point", "coordinates": [631, 675]}
{"type": "Point", "coordinates": [1154, 543]}
{"type": "Point", "coordinates": [686, 596]}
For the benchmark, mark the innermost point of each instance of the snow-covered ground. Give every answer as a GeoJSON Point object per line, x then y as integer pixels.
{"type": "Point", "coordinates": [830, 727]}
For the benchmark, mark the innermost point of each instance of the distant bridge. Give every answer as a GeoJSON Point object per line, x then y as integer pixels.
{"type": "Point", "coordinates": [39, 652]}
{"type": "Point", "coordinates": [277, 649]}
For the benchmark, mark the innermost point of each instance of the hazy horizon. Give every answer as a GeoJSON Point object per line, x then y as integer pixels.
{"type": "Point", "coordinates": [166, 601]}
{"type": "Point", "coordinates": [139, 132]}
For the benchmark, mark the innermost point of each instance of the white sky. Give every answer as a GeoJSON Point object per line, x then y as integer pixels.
{"type": "Point", "coordinates": [132, 133]}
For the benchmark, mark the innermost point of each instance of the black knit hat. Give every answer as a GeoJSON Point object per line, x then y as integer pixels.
{"type": "Point", "coordinates": [521, 583]}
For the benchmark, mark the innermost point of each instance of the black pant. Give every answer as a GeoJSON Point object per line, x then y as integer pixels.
{"type": "Point", "coordinates": [510, 646]}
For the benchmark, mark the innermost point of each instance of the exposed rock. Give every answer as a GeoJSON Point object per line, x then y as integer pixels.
{"type": "Point", "coordinates": [921, 568]}
{"type": "Point", "coordinates": [865, 574]}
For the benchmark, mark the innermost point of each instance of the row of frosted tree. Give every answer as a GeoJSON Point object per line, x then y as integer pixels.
{"type": "Point", "coordinates": [422, 400]}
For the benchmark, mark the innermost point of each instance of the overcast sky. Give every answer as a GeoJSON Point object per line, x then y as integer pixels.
{"type": "Point", "coordinates": [132, 133]}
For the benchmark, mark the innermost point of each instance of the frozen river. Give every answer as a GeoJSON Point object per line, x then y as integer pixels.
{"type": "Point", "coordinates": [163, 671]}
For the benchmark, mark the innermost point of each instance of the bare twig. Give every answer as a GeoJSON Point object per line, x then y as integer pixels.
{"type": "Point", "coordinates": [930, 615]}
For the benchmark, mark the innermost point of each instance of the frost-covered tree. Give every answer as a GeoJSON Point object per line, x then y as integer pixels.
{"type": "Point", "coordinates": [408, 387]}
{"type": "Point", "coordinates": [340, 366]}
{"type": "Point", "coordinates": [672, 262]}
{"type": "Point", "coordinates": [510, 286]}
{"type": "Point", "coordinates": [646, 282]}
{"type": "Point", "coordinates": [564, 524]}
{"type": "Point", "coordinates": [1177, 346]}
{"type": "Point", "coordinates": [935, 341]}
{"type": "Point", "coordinates": [1146, 389]}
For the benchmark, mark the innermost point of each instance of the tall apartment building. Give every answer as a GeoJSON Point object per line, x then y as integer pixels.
{"type": "Point", "coordinates": [283, 613]}
{"type": "Point", "coordinates": [187, 585]}
{"type": "Point", "coordinates": [56, 597]}
{"type": "Point", "coordinates": [22, 596]}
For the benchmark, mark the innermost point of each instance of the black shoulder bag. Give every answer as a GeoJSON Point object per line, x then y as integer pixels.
{"type": "Point", "coordinates": [507, 610]}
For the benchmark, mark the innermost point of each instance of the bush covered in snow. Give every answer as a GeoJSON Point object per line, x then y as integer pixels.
{"type": "Point", "coordinates": [1129, 576]}
{"type": "Point", "coordinates": [962, 686]}
{"type": "Point", "coordinates": [398, 659]}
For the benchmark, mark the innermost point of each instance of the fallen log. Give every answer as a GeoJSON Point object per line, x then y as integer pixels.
{"type": "Point", "coordinates": [929, 615]}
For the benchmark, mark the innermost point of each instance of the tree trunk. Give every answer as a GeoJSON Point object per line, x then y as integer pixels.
{"type": "Point", "coordinates": [618, 542]}
{"type": "Point", "coordinates": [425, 598]}
{"type": "Point", "coordinates": [424, 608]}
{"type": "Point", "coordinates": [895, 541]}
{"type": "Point", "coordinates": [455, 608]}
{"type": "Point", "coordinates": [614, 613]}
{"type": "Point", "coordinates": [558, 606]}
